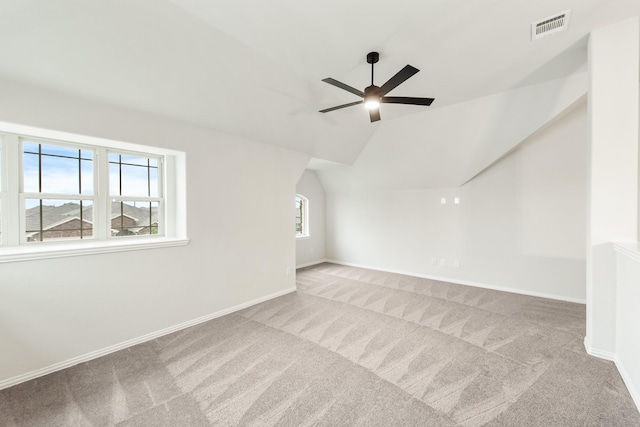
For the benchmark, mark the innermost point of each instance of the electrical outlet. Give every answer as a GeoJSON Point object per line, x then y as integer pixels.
{"type": "Point", "coordinates": [456, 200]}
{"type": "Point", "coordinates": [443, 262]}
{"type": "Point", "coordinates": [443, 200]}
{"type": "Point", "coordinates": [434, 261]}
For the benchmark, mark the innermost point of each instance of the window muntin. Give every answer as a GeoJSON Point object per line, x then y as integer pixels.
{"type": "Point", "coordinates": [134, 218]}
{"type": "Point", "coordinates": [133, 176]}
{"type": "Point", "coordinates": [302, 216]}
{"type": "Point", "coordinates": [49, 168]}
{"type": "Point", "coordinates": [55, 219]}
{"type": "Point", "coordinates": [135, 191]}
{"type": "Point", "coordinates": [171, 227]}
{"type": "Point", "coordinates": [57, 191]}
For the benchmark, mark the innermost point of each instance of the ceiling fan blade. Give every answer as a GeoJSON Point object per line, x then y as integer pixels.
{"type": "Point", "coordinates": [342, 106]}
{"type": "Point", "coordinates": [406, 100]}
{"type": "Point", "coordinates": [396, 80]}
{"type": "Point", "coordinates": [343, 86]}
{"type": "Point", "coordinates": [374, 115]}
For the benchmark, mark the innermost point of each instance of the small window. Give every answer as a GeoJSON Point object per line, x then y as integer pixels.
{"type": "Point", "coordinates": [302, 216]}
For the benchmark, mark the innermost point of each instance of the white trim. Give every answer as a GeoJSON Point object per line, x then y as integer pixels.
{"type": "Point", "coordinates": [613, 357]}
{"type": "Point", "coordinates": [44, 250]}
{"type": "Point", "coordinates": [49, 134]}
{"type": "Point", "coordinates": [634, 392]}
{"type": "Point", "coordinates": [172, 225]}
{"type": "Point", "coordinates": [601, 354]}
{"type": "Point", "coordinates": [148, 337]}
{"type": "Point", "coordinates": [309, 264]}
{"type": "Point", "coordinates": [306, 232]}
{"type": "Point", "coordinates": [11, 158]}
{"type": "Point", "coordinates": [466, 283]}
{"type": "Point", "coordinates": [630, 250]}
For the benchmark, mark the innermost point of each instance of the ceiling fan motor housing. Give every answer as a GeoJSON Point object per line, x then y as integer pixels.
{"type": "Point", "coordinates": [371, 92]}
{"type": "Point", "coordinates": [373, 57]}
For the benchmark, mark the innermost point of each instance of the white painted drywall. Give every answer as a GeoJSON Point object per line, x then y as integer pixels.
{"type": "Point", "coordinates": [448, 146]}
{"type": "Point", "coordinates": [519, 225]}
{"type": "Point", "coordinates": [614, 58]}
{"type": "Point", "coordinates": [628, 316]}
{"type": "Point", "coordinates": [239, 221]}
{"type": "Point", "coordinates": [311, 249]}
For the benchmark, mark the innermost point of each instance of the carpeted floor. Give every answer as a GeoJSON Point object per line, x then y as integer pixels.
{"type": "Point", "coordinates": [351, 347]}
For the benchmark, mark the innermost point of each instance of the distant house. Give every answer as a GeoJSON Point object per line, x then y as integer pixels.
{"type": "Point", "coordinates": [68, 221]}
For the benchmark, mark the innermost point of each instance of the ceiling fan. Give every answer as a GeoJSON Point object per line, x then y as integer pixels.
{"type": "Point", "coordinates": [373, 95]}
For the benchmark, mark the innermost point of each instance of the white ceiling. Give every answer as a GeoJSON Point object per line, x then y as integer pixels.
{"type": "Point", "coordinates": [253, 67]}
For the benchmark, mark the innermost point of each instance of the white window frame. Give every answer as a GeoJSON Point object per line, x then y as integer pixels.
{"type": "Point", "coordinates": [306, 232]}
{"type": "Point", "coordinates": [159, 199]}
{"type": "Point", "coordinates": [22, 195]}
{"type": "Point", "coordinates": [172, 207]}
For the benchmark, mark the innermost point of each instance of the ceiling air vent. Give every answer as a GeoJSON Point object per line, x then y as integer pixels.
{"type": "Point", "coordinates": [551, 25]}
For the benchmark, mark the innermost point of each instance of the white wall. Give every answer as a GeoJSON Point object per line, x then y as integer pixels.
{"type": "Point", "coordinates": [628, 317]}
{"type": "Point", "coordinates": [57, 309]}
{"type": "Point", "coordinates": [447, 146]}
{"type": "Point", "coordinates": [520, 224]}
{"type": "Point", "coordinates": [614, 66]}
{"type": "Point", "coordinates": [311, 249]}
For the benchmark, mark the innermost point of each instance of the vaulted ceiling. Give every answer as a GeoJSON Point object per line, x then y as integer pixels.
{"type": "Point", "coordinates": [253, 68]}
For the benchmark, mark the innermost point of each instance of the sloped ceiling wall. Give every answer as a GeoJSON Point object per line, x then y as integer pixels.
{"type": "Point", "coordinates": [253, 68]}
{"type": "Point", "coordinates": [448, 146]}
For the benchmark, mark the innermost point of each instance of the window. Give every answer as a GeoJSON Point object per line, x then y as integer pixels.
{"type": "Point", "coordinates": [56, 192]}
{"type": "Point", "coordinates": [135, 189]}
{"type": "Point", "coordinates": [302, 216]}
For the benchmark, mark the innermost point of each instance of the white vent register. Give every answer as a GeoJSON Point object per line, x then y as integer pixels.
{"type": "Point", "coordinates": [551, 25]}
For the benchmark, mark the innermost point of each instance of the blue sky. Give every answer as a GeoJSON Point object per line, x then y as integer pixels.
{"type": "Point", "coordinates": [61, 175]}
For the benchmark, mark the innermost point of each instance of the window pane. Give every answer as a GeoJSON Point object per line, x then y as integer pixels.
{"type": "Point", "coordinates": [30, 147]}
{"type": "Point", "coordinates": [153, 182]}
{"type": "Point", "coordinates": [299, 216]}
{"type": "Point", "coordinates": [134, 181]}
{"type": "Point", "coordinates": [134, 218]}
{"type": "Point", "coordinates": [31, 167]}
{"type": "Point", "coordinates": [133, 176]}
{"type": "Point", "coordinates": [55, 169]}
{"type": "Point", "coordinates": [58, 219]}
{"type": "Point", "coordinates": [133, 160]}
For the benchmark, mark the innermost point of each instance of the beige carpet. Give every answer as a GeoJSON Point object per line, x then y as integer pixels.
{"type": "Point", "coordinates": [351, 347]}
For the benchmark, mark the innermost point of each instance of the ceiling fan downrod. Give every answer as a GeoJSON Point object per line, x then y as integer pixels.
{"type": "Point", "coordinates": [372, 58]}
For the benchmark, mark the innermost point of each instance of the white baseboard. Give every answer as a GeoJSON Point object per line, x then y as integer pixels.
{"type": "Point", "coordinates": [129, 343]}
{"type": "Point", "coordinates": [595, 352]}
{"type": "Point", "coordinates": [633, 391]}
{"type": "Point", "coordinates": [465, 282]}
{"type": "Point", "coordinates": [309, 264]}
{"type": "Point", "coordinates": [611, 356]}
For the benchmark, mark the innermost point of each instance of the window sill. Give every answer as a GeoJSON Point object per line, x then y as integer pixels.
{"type": "Point", "coordinates": [59, 250]}
{"type": "Point", "coordinates": [305, 237]}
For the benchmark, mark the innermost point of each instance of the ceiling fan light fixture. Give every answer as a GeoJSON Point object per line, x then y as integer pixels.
{"type": "Point", "coordinates": [372, 104]}
{"type": "Point", "coordinates": [371, 98]}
